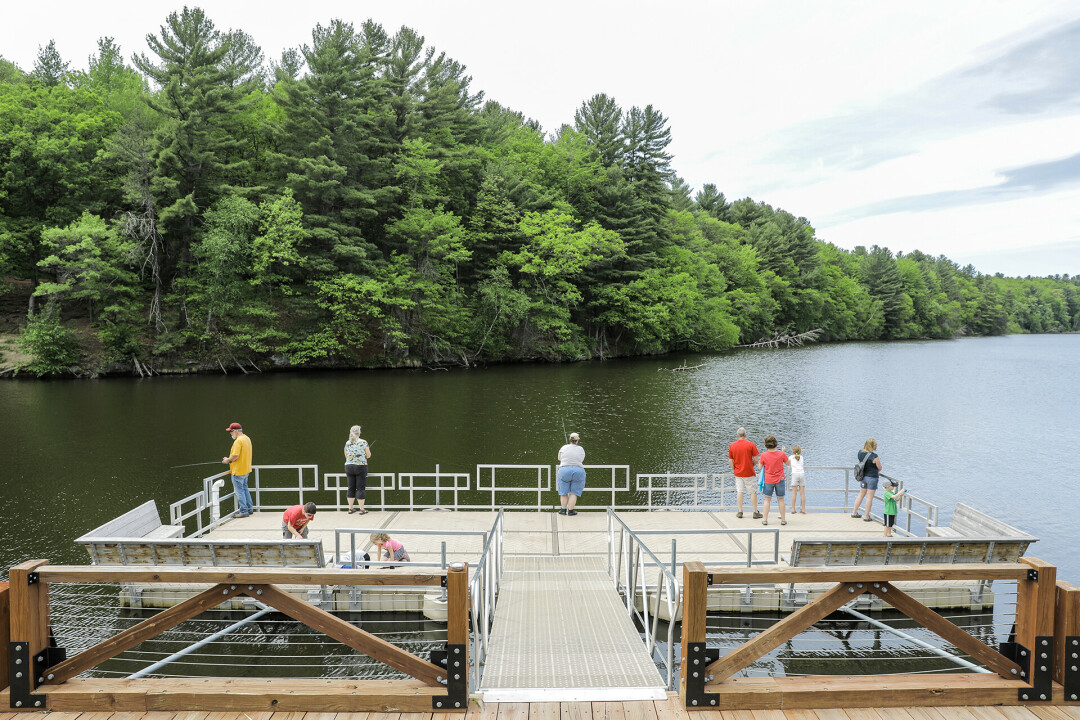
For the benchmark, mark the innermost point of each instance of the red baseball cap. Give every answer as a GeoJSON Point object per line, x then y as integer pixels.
{"type": "Point", "coordinates": [234, 426]}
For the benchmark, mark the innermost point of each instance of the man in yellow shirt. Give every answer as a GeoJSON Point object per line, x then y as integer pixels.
{"type": "Point", "coordinates": [239, 462]}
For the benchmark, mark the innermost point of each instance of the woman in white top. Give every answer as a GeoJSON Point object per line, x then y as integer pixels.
{"type": "Point", "coordinates": [570, 479]}
{"type": "Point", "coordinates": [798, 478]}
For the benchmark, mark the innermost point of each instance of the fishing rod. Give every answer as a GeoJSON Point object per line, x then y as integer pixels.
{"type": "Point", "coordinates": [566, 438]}
{"type": "Point", "coordinates": [213, 462]}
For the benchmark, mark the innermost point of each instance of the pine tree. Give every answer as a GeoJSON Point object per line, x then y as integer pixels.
{"type": "Point", "coordinates": [197, 158]}
{"type": "Point", "coordinates": [50, 69]}
{"type": "Point", "coordinates": [600, 119]}
{"type": "Point", "coordinates": [328, 151]}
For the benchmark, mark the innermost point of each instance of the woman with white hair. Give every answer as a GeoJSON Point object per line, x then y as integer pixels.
{"type": "Point", "coordinates": [357, 453]}
{"type": "Point", "coordinates": [570, 479]}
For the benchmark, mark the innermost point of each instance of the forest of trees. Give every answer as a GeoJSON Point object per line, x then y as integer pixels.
{"type": "Point", "coordinates": [357, 203]}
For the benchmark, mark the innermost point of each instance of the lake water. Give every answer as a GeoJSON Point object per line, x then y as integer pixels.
{"type": "Point", "coordinates": [992, 422]}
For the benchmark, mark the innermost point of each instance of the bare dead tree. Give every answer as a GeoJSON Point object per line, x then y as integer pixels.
{"type": "Point", "coordinates": [131, 145]}
{"type": "Point", "coordinates": [682, 367]}
{"type": "Point", "coordinates": [779, 339]}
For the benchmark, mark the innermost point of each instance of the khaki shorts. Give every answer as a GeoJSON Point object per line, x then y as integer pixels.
{"type": "Point", "coordinates": [747, 484]}
{"type": "Point", "coordinates": [798, 480]}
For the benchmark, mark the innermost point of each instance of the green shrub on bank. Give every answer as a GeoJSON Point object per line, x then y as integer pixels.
{"type": "Point", "coordinates": [54, 346]}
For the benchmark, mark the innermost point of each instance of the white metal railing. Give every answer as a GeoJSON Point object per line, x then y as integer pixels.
{"type": "Point", "coordinates": [541, 483]}
{"type": "Point", "coordinates": [414, 482]}
{"type": "Point", "coordinates": [483, 595]}
{"type": "Point", "coordinates": [500, 484]}
{"type": "Point", "coordinates": [332, 482]}
{"type": "Point", "coordinates": [717, 491]}
{"type": "Point", "coordinates": [206, 512]}
{"type": "Point", "coordinates": [628, 561]}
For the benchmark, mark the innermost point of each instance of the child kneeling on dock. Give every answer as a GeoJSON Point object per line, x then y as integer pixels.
{"type": "Point", "coordinates": [389, 549]}
{"type": "Point", "coordinates": [889, 514]}
{"type": "Point", "coordinates": [294, 521]}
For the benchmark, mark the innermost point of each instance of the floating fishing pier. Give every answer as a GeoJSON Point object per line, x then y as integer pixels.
{"type": "Point", "coordinates": [610, 613]}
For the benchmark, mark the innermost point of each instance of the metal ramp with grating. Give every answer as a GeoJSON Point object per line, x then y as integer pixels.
{"type": "Point", "coordinates": [561, 633]}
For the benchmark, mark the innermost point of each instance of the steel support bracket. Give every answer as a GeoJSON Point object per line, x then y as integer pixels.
{"type": "Point", "coordinates": [1019, 655]}
{"type": "Point", "coordinates": [709, 579]}
{"type": "Point", "coordinates": [455, 659]}
{"type": "Point", "coordinates": [1071, 679]}
{"type": "Point", "coordinates": [1033, 575]}
{"type": "Point", "coordinates": [1042, 669]}
{"type": "Point", "coordinates": [21, 697]}
{"type": "Point", "coordinates": [46, 659]}
{"type": "Point", "coordinates": [698, 656]}
{"type": "Point", "coordinates": [32, 578]}
{"type": "Point", "coordinates": [442, 580]}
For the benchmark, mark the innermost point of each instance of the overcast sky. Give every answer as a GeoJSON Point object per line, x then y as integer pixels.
{"type": "Point", "coordinates": [950, 127]}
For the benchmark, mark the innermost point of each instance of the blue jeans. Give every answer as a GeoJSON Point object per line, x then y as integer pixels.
{"type": "Point", "coordinates": [243, 496]}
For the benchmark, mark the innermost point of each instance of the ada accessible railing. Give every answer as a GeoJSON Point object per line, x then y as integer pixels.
{"type": "Point", "coordinates": [483, 592]}
{"type": "Point", "coordinates": [439, 684]}
{"type": "Point", "coordinates": [630, 562]}
{"type": "Point", "coordinates": [483, 586]}
{"type": "Point", "coordinates": [718, 491]}
{"type": "Point", "coordinates": [522, 486]}
{"type": "Point", "coordinates": [1021, 669]}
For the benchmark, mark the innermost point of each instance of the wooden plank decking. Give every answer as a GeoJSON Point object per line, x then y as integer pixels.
{"type": "Point", "coordinates": [668, 709]}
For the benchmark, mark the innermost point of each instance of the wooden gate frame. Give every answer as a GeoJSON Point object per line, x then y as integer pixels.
{"type": "Point", "coordinates": [706, 682]}
{"type": "Point", "coordinates": [43, 678]}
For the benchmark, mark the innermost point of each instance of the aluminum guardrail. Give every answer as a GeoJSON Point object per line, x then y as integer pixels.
{"type": "Point", "coordinates": [503, 483]}
{"type": "Point", "coordinates": [483, 595]}
{"type": "Point", "coordinates": [628, 553]}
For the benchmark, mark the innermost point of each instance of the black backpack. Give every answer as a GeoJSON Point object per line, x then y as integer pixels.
{"type": "Point", "coordinates": [860, 469]}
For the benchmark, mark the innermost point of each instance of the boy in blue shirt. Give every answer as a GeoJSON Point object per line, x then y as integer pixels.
{"type": "Point", "coordinates": [889, 514]}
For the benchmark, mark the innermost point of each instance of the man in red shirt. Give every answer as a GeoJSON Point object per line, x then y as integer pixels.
{"type": "Point", "coordinates": [294, 521]}
{"type": "Point", "coordinates": [743, 455]}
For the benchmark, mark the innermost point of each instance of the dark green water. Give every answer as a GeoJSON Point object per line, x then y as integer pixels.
{"type": "Point", "coordinates": [992, 422]}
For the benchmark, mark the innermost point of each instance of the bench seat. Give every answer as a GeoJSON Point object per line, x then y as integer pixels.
{"type": "Point", "coordinates": [821, 552]}
{"type": "Point", "coordinates": [141, 522]}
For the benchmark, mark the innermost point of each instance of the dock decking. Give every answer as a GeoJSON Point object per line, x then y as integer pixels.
{"type": "Point", "coordinates": [548, 533]}
{"type": "Point", "coordinates": [667, 709]}
{"type": "Point", "coordinates": [561, 633]}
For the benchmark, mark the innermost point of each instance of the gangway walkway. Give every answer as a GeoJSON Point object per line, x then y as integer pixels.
{"type": "Point", "coordinates": [561, 633]}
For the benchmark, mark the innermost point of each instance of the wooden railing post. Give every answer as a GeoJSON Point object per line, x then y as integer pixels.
{"type": "Point", "coordinates": [1067, 639]}
{"type": "Point", "coordinates": [1035, 597]}
{"type": "Point", "coordinates": [695, 596]}
{"type": "Point", "coordinates": [456, 655]}
{"type": "Point", "coordinates": [29, 598]}
{"type": "Point", "coordinates": [5, 633]}
{"type": "Point", "coordinates": [457, 604]}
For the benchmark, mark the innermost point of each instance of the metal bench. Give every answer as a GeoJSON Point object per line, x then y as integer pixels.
{"type": "Point", "coordinates": [968, 522]}
{"type": "Point", "coordinates": [142, 522]}
{"type": "Point", "coordinates": [201, 552]}
{"type": "Point", "coordinates": [906, 551]}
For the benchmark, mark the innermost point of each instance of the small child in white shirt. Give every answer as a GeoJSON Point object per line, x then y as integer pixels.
{"type": "Point", "coordinates": [798, 478]}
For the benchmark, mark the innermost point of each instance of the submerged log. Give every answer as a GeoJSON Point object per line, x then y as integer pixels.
{"type": "Point", "coordinates": [787, 340]}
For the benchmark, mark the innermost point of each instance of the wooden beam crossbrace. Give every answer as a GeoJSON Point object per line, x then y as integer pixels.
{"type": "Point", "coordinates": [359, 640]}
{"type": "Point", "coordinates": [948, 631]}
{"type": "Point", "coordinates": [300, 610]}
{"type": "Point", "coordinates": [136, 634]}
{"type": "Point", "coordinates": [780, 632]}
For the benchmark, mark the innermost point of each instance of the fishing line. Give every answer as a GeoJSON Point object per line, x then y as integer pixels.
{"type": "Point", "coordinates": [212, 462]}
